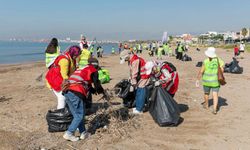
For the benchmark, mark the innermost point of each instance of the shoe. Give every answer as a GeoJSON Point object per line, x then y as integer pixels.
{"type": "Point", "coordinates": [136, 112]}
{"type": "Point", "coordinates": [70, 137]}
{"type": "Point", "coordinates": [84, 135]}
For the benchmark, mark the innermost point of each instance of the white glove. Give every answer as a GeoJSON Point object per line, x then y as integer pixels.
{"type": "Point", "coordinates": [197, 83]}
{"type": "Point", "coordinates": [157, 83]}
{"type": "Point", "coordinates": [131, 89]}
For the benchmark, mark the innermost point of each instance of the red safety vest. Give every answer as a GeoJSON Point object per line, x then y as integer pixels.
{"type": "Point", "coordinates": [80, 80]}
{"type": "Point", "coordinates": [54, 76]}
{"type": "Point", "coordinates": [142, 72]}
{"type": "Point", "coordinates": [171, 86]}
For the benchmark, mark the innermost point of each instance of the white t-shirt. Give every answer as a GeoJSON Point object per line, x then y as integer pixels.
{"type": "Point", "coordinates": [242, 47]}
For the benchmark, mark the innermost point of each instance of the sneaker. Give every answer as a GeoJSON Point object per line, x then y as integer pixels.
{"type": "Point", "coordinates": [70, 137]}
{"type": "Point", "coordinates": [84, 135]}
{"type": "Point", "coordinates": [136, 112]}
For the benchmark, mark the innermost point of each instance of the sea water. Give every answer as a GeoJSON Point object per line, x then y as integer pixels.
{"type": "Point", "coordinates": [13, 52]}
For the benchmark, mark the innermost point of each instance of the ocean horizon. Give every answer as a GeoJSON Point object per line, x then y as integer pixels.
{"type": "Point", "coordinates": [15, 52]}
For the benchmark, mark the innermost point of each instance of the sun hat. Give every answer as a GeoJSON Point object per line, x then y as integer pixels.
{"type": "Point", "coordinates": [123, 55]}
{"type": "Point", "coordinates": [149, 66]}
{"type": "Point", "coordinates": [210, 52]}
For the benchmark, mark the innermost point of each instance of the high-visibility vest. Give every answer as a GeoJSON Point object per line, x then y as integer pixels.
{"type": "Point", "coordinates": [142, 72]}
{"type": "Point", "coordinates": [180, 49]}
{"type": "Point", "coordinates": [53, 76]}
{"type": "Point", "coordinates": [171, 86]}
{"type": "Point", "coordinates": [50, 58]}
{"type": "Point", "coordinates": [83, 59]}
{"type": "Point", "coordinates": [80, 80]}
{"type": "Point", "coordinates": [210, 75]}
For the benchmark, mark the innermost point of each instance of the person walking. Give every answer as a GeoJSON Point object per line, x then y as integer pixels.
{"type": "Point", "coordinates": [51, 52]}
{"type": "Point", "coordinates": [59, 72]}
{"type": "Point", "coordinates": [76, 90]}
{"type": "Point", "coordinates": [236, 50]}
{"type": "Point", "coordinates": [159, 52]}
{"type": "Point", "coordinates": [138, 78]}
{"type": "Point", "coordinates": [242, 48]}
{"type": "Point", "coordinates": [180, 51]}
{"type": "Point", "coordinates": [209, 74]}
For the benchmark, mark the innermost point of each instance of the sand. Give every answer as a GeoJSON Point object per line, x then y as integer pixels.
{"type": "Point", "coordinates": [24, 103]}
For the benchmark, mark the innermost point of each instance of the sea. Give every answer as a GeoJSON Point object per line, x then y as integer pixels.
{"type": "Point", "coordinates": [17, 52]}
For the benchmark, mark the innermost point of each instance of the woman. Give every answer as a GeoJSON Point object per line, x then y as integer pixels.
{"type": "Point", "coordinates": [59, 72]}
{"type": "Point", "coordinates": [164, 74]}
{"type": "Point", "coordinates": [209, 73]}
{"type": "Point", "coordinates": [51, 52]}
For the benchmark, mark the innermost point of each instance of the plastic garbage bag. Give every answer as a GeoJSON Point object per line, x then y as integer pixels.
{"type": "Point", "coordinates": [59, 120]}
{"type": "Point", "coordinates": [104, 76]}
{"type": "Point", "coordinates": [122, 91]}
{"type": "Point", "coordinates": [199, 64]}
{"type": "Point", "coordinates": [186, 58]}
{"type": "Point", "coordinates": [163, 108]}
{"type": "Point", "coordinates": [233, 67]}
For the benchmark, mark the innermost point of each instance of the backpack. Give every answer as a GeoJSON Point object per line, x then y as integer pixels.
{"type": "Point", "coordinates": [173, 68]}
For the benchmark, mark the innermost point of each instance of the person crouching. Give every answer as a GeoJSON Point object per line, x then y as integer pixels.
{"type": "Point", "coordinates": [75, 91]}
{"type": "Point", "coordinates": [164, 74]}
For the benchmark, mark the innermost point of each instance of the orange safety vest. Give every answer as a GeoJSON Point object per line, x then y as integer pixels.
{"type": "Point", "coordinates": [53, 75]}
{"type": "Point", "coordinates": [142, 72]}
{"type": "Point", "coordinates": [80, 80]}
{"type": "Point", "coordinates": [171, 86]}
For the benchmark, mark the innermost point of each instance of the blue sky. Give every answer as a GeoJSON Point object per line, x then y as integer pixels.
{"type": "Point", "coordinates": [119, 19]}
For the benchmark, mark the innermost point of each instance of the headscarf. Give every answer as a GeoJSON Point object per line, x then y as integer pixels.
{"type": "Point", "coordinates": [74, 51]}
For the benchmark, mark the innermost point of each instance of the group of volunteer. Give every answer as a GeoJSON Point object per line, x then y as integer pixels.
{"type": "Point", "coordinates": [73, 77]}
{"type": "Point", "coordinates": [142, 73]}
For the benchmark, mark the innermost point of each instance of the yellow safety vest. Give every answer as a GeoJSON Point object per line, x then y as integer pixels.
{"type": "Point", "coordinates": [83, 59]}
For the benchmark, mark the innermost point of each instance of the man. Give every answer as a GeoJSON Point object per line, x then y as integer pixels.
{"type": "Point", "coordinates": [164, 74]}
{"type": "Point", "coordinates": [85, 55]}
{"type": "Point", "coordinates": [76, 90]}
{"type": "Point", "coordinates": [138, 78]}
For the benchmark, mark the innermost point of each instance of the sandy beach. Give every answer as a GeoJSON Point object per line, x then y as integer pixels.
{"type": "Point", "coordinates": [25, 101]}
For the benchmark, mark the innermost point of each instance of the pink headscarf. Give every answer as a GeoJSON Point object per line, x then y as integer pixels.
{"type": "Point", "coordinates": [74, 51]}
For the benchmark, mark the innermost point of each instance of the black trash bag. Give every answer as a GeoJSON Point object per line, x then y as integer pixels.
{"type": "Point", "coordinates": [163, 108]}
{"type": "Point", "coordinates": [59, 120]}
{"type": "Point", "coordinates": [233, 67]}
{"type": "Point", "coordinates": [199, 64]}
{"type": "Point", "coordinates": [186, 58]}
{"type": "Point", "coordinates": [122, 91]}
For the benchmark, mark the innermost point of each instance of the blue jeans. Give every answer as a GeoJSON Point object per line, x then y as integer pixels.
{"type": "Point", "coordinates": [77, 108]}
{"type": "Point", "coordinates": [140, 98]}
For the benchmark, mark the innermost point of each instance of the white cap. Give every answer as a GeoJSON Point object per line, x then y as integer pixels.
{"type": "Point", "coordinates": [149, 66]}
{"type": "Point", "coordinates": [123, 55]}
{"type": "Point", "coordinates": [210, 52]}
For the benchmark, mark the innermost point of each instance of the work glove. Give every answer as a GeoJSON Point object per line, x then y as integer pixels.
{"type": "Point", "coordinates": [157, 83]}
{"type": "Point", "coordinates": [131, 89]}
{"type": "Point", "coordinates": [197, 83]}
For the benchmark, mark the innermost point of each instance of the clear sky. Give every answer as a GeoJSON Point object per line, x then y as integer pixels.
{"type": "Point", "coordinates": [119, 19]}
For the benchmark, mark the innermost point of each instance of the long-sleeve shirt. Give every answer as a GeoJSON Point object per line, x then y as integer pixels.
{"type": "Point", "coordinates": [134, 69]}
